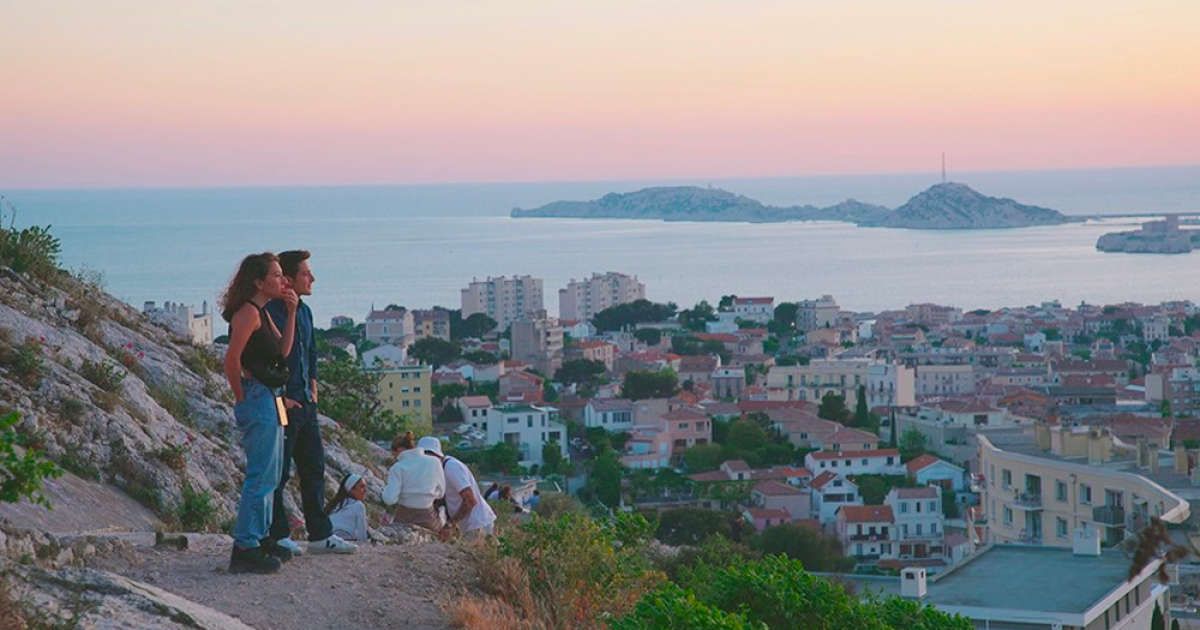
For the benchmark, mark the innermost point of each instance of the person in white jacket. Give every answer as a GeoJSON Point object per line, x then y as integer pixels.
{"type": "Point", "coordinates": [414, 483]}
{"type": "Point", "coordinates": [347, 512]}
{"type": "Point", "coordinates": [465, 507]}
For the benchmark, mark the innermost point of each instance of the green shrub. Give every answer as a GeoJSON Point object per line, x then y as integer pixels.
{"type": "Point", "coordinates": [174, 456]}
{"type": "Point", "coordinates": [672, 608]}
{"type": "Point", "coordinates": [201, 361]}
{"type": "Point", "coordinates": [103, 374]}
{"type": "Point", "coordinates": [173, 398]}
{"type": "Point", "coordinates": [26, 361]}
{"type": "Point", "coordinates": [195, 511]}
{"type": "Point", "coordinates": [21, 475]}
{"type": "Point", "coordinates": [81, 466]}
{"type": "Point", "coordinates": [32, 249]}
{"type": "Point", "coordinates": [71, 409]}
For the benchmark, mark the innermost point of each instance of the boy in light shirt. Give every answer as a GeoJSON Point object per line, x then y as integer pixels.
{"type": "Point", "coordinates": [464, 501]}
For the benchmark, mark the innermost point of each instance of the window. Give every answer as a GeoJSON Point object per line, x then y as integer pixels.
{"type": "Point", "coordinates": [416, 403]}
{"type": "Point", "coordinates": [889, 460]}
{"type": "Point", "coordinates": [864, 461]}
{"type": "Point", "coordinates": [1008, 515]}
{"type": "Point", "coordinates": [918, 504]}
{"type": "Point", "coordinates": [1006, 478]}
{"type": "Point", "coordinates": [933, 528]}
{"type": "Point", "coordinates": [904, 507]}
{"type": "Point", "coordinates": [1085, 494]}
{"type": "Point", "coordinates": [1060, 491]}
{"type": "Point", "coordinates": [918, 529]}
{"type": "Point", "coordinates": [404, 403]}
{"type": "Point", "coordinates": [932, 506]}
{"type": "Point", "coordinates": [904, 530]}
{"type": "Point", "coordinates": [1060, 527]}
{"type": "Point", "coordinates": [529, 422]}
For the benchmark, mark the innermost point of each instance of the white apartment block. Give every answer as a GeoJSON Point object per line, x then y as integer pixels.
{"type": "Point", "coordinates": [538, 341]}
{"type": "Point", "coordinates": [527, 427]}
{"type": "Point", "coordinates": [755, 309]}
{"type": "Point", "coordinates": [183, 321]}
{"type": "Point", "coordinates": [1042, 498]}
{"type": "Point", "coordinates": [885, 461]}
{"type": "Point", "coordinates": [610, 414]}
{"type": "Point", "coordinates": [885, 383]}
{"type": "Point", "coordinates": [945, 380]}
{"type": "Point", "coordinates": [503, 299]}
{"type": "Point", "coordinates": [813, 314]}
{"type": "Point", "coordinates": [582, 299]}
{"type": "Point", "coordinates": [920, 524]}
{"type": "Point", "coordinates": [390, 326]}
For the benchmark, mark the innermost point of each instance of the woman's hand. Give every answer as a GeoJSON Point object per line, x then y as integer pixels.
{"type": "Point", "coordinates": [291, 300]}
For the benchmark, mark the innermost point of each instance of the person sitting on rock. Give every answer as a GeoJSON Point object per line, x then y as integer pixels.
{"type": "Point", "coordinates": [414, 483]}
{"type": "Point", "coordinates": [347, 512]}
{"type": "Point", "coordinates": [465, 507]}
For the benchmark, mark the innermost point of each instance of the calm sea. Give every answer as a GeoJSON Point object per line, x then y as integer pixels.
{"type": "Point", "coordinates": [418, 245]}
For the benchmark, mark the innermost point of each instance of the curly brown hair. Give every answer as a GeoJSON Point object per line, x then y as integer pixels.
{"type": "Point", "coordinates": [404, 441]}
{"type": "Point", "coordinates": [241, 288]}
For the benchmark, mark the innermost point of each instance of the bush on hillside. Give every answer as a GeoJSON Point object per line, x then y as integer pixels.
{"type": "Point", "coordinates": [22, 468]}
{"type": "Point", "coordinates": [32, 250]}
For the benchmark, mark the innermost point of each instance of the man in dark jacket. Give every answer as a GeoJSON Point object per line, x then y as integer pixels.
{"type": "Point", "coordinates": [302, 436]}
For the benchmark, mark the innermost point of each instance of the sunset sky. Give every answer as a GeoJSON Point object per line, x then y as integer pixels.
{"type": "Point", "coordinates": [108, 93]}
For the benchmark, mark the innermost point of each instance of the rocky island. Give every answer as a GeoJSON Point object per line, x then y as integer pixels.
{"type": "Point", "coordinates": [948, 206]}
{"type": "Point", "coordinates": [1154, 237]}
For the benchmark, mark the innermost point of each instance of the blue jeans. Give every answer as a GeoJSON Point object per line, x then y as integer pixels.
{"type": "Point", "coordinates": [262, 439]}
{"type": "Point", "coordinates": [302, 443]}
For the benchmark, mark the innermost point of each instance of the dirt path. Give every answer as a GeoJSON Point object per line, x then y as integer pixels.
{"type": "Point", "coordinates": [382, 586]}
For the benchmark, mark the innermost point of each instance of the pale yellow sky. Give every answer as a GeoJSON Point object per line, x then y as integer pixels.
{"type": "Point", "coordinates": [175, 93]}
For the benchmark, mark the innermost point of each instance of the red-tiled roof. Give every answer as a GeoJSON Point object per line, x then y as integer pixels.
{"type": "Point", "coordinates": [823, 479]}
{"type": "Point", "coordinates": [754, 300]}
{"type": "Point", "coordinates": [773, 488]}
{"type": "Point", "coordinates": [927, 492]}
{"type": "Point", "coordinates": [920, 462]}
{"type": "Point", "coordinates": [769, 513]}
{"type": "Point", "coordinates": [736, 465]}
{"type": "Point", "coordinates": [476, 401]}
{"type": "Point", "coordinates": [879, 452]}
{"type": "Point", "coordinates": [866, 513]}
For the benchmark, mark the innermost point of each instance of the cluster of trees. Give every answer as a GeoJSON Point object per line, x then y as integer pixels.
{"type": "Point", "coordinates": [585, 374]}
{"type": "Point", "coordinates": [833, 407]}
{"type": "Point", "coordinates": [688, 345]}
{"type": "Point", "coordinates": [350, 395]}
{"type": "Point", "coordinates": [628, 315]}
{"type": "Point", "coordinates": [747, 438]}
{"type": "Point", "coordinates": [640, 385]}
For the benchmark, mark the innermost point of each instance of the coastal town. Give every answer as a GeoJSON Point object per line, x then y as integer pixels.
{"type": "Point", "coordinates": [932, 448]}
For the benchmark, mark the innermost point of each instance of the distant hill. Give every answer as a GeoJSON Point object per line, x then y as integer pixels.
{"type": "Point", "coordinates": [957, 207]}
{"type": "Point", "coordinates": [944, 206]}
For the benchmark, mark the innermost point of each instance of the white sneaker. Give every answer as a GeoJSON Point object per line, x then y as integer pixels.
{"type": "Point", "coordinates": [290, 545]}
{"type": "Point", "coordinates": [333, 544]}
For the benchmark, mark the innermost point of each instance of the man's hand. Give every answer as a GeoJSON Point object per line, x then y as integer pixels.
{"type": "Point", "coordinates": [291, 404]}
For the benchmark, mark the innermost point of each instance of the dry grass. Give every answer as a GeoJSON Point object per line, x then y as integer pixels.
{"type": "Point", "coordinates": [11, 615]}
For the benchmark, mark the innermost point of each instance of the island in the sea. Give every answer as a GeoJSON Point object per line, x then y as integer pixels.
{"type": "Point", "coordinates": [1154, 237]}
{"type": "Point", "coordinates": [947, 206]}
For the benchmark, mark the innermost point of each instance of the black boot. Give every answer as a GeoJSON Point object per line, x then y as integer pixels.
{"type": "Point", "coordinates": [275, 551]}
{"type": "Point", "coordinates": [253, 560]}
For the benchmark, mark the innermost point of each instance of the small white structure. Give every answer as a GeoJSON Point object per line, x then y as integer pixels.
{"type": "Point", "coordinates": [183, 320]}
{"type": "Point", "coordinates": [610, 414]}
{"type": "Point", "coordinates": [913, 583]}
{"type": "Point", "coordinates": [884, 461]}
{"type": "Point", "coordinates": [527, 427]}
{"type": "Point", "coordinates": [385, 356]}
{"type": "Point", "coordinates": [755, 309]}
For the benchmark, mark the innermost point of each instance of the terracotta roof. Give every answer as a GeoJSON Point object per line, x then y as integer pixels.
{"type": "Point", "coordinates": [850, 435]}
{"type": "Point", "coordinates": [927, 492]}
{"type": "Point", "coordinates": [866, 513]}
{"type": "Point", "coordinates": [711, 475]}
{"type": "Point", "coordinates": [780, 472]}
{"type": "Point", "coordinates": [386, 315]}
{"type": "Point", "coordinates": [753, 300]}
{"type": "Point", "coordinates": [476, 401]}
{"type": "Point", "coordinates": [685, 413]}
{"type": "Point", "coordinates": [773, 488]}
{"type": "Point", "coordinates": [722, 337]}
{"type": "Point", "coordinates": [973, 405]}
{"type": "Point", "coordinates": [920, 463]}
{"type": "Point", "coordinates": [769, 513]}
{"type": "Point", "coordinates": [823, 479]}
{"type": "Point", "coordinates": [611, 404]}
{"type": "Point", "coordinates": [736, 465]}
{"type": "Point", "coordinates": [879, 452]}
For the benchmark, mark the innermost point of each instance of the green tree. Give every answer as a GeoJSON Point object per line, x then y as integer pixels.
{"type": "Point", "coordinates": [33, 249]}
{"type": "Point", "coordinates": [949, 503]}
{"type": "Point", "coordinates": [703, 457]}
{"type": "Point", "coordinates": [630, 314]}
{"type": "Point", "coordinates": [1174, 624]}
{"type": "Point", "coordinates": [1157, 622]}
{"type": "Point", "coordinates": [833, 407]}
{"type": "Point", "coordinates": [639, 385]}
{"type": "Point", "coordinates": [606, 478]}
{"type": "Point", "coordinates": [449, 391]}
{"type": "Point", "coordinates": [474, 326]}
{"type": "Point", "coordinates": [580, 372]}
{"type": "Point", "coordinates": [434, 351]}
{"type": "Point", "coordinates": [552, 459]}
{"type": "Point", "coordinates": [350, 395]}
{"type": "Point", "coordinates": [22, 473]}
{"type": "Point", "coordinates": [648, 336]}
{"type": "Point", "coordinates": [746, 435]}
{"type": "Point", "coordinates": [784, 321]}
{"type": "Point", "coordinates": [450, 414]}
{"type": "Point", "coordinates": [480, 357]}
{"type": "Point", "coordinates": [697, 316]}
{"type": "Point", "coordinates": [502, 458]}
{"type": "Point", "coordinates": [726, 303]}
{"type": "Point", "coordinates": [690, 526]}
{"type": "Point", "coordinates": [873, 488]}
{"type": "Point", "coordinates": [862, 414]}
{"type": "Point", "coordinates": [912, 444]}
{"type": "Point", "coordinates": [816, 551]}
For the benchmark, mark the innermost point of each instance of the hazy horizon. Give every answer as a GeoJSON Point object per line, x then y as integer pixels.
{"type": "Point", "coordinates": [128, 94]}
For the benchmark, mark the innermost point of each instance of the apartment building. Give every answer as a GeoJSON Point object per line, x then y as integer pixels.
{"type": "Point", "coordinates": [945, 380]}
{"type": "Point", "coordinates": [1179, 386]}
{"type": "Point", "coordinates": [920, 524]}
{"type": "Point", "coordinates": [819, 313]}
{"type": "Point", "coordinates": [582, 299]}
{"type": "Point", "coordinates": [867, 532]}
{"type": "Point", "coordinates": [885, 383]}
{"type": "Point", "coordinates": [610, 414]}
{"type": "Point", "coordinates": [538, 341]}
{"type": "Point", "coordinates": [527, 427]}
{"type": "Point", "coordinates": [184, 321]}
{"type": "Point", "coordinates": [394, 326]}
{"type": "Point", "coordinates": [434, 322]}
{"type": "Point", "coordinates": [884, 461]}
{"type": "Point", "coordinates": [407, 390]}
{"type": "Point", "coordinates": [755, 309]}
{"type": "Point", "coordinates": [503, 299]}
{"type": "Point", "coordinates": [1040, 492]}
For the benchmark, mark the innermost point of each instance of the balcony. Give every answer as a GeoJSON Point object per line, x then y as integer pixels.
{"type": "Point", "coordinates": [1027, 501]}
{"type": "Point", "coordinates": [1109, 515]}
{"type": "Point", "coordinates": [868, 537]}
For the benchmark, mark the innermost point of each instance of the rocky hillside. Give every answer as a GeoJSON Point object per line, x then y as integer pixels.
{"type": "Point", "coordinates": [142, 423]}
{"type": "Point", "coordinates": [957, 207]}
{"type": "Point", "coordinates": [941, 207]}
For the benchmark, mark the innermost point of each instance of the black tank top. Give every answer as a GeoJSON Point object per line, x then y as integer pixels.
{"type": "Point", "coordinates": [261, 356]}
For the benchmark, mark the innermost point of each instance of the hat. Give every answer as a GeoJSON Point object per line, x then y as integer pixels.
{"type": "Point", "coordinates": [430, 443]}
{"type": "Point", "coordinates": [351, 480]}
